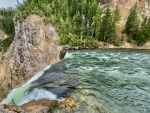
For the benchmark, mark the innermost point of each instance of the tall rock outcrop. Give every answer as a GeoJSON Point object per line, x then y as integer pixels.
{"type": "Point", "coordinates": [34, 47]}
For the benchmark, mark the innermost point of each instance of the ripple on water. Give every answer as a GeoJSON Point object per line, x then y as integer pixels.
{"type": "Point", "coordinates": [101, 81]}
{"type": "Point", "coordinates": [118, 81]}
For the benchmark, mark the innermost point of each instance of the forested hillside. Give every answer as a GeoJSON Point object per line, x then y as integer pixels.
{"type": "Point", "coordinates": [136, 29]}
{"type": "Point", "coordinates": [7, 25]}
{"type": "Point", "coordinates": [78, 22]}
{"type": "Point", "coordinates": [6, 21]}
{"type": "Point", "coordinates": [81, 23]}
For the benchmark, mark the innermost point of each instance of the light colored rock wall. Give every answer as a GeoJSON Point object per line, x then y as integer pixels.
{"type": "Point", "coordinates": [35, 46]}
{"type": "Point", "coordinates": [144, 6]}
{"type": "Point", "coordinates": [125, 6]}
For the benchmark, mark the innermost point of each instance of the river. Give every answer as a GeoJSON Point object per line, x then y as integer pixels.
{"type": "Point", "coordinates": [102, 81]}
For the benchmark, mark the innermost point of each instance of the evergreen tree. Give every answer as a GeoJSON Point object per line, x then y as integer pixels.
{"type": "Point", "coordinates": [78, 22]}
{"type": "Point", "coordinates": [106, 25]}
{"type": "Point", "coordinates": [96, 25]}
{"type": "Point", "coordinates": [115, 19]}
{"type": "Point", "coordinates": [92, 11]}
{"type": "Point", "coordinates": [144, 32]}
{"type": "Point", "coordinates": [6, 21]}
{"type": "Point", "coordinates": [132, 24]}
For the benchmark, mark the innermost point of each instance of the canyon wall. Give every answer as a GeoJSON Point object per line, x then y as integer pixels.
{"type": "Point", "coordinates": [35, 46]}
{"type": "Point", "coordinates": [143, 7]}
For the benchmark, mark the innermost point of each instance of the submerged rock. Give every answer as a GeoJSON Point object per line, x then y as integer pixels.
{"type": "Point", "coordinates": [62, 53]}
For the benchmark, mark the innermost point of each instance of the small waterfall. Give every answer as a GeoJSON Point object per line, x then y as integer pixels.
{"type": "Point", "coordinates": [68, 54]}
{"type": "Point", "coordinates": [17, 95]}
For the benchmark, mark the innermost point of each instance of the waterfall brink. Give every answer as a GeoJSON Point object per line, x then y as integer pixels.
{"type": "Point", "coordinates": [99, 81]}
{"type": "Point", "coordinates": [51, 83]}
{"type": "Point", "coordinates": [17, 95]}
{"type": "Point", "coordinates": [68, 54]}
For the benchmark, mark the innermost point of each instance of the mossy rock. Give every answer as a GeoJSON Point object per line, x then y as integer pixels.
{"type": "Point", "coordinates": [53, 105]}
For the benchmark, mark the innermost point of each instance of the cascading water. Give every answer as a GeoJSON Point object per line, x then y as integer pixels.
{"type": "Point", "coordinates": [102, 81]}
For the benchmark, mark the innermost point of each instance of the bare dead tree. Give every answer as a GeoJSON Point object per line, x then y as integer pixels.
{"type": "Point", "coordinates": [18, 3]}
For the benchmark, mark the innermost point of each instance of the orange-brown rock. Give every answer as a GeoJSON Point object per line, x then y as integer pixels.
{"type": "Point", "coordinates": [41, 106]}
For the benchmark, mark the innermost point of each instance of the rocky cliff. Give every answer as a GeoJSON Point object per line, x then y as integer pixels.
{"type": "Point", "coordinates": [126, 5]}
{"type": "Point", "coordinates": [34, 47]}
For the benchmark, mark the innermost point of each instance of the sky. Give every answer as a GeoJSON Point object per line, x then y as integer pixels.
{"type": "Point", "coordinates": [8, 3]}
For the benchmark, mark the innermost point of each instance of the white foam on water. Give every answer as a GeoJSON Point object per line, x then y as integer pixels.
{"type": "Point", "coordinates": [126, 58]}
{"type": "Point", "coordinates": [15, 95]}
{"type": "Point", "coordinates": [38, 94]}
{"type": "Point", "coordinates": [22, 89]}
{"type": "Point", "coordinates": [103, 58]}
{"type": "Point", "coordinates": [68, 55]}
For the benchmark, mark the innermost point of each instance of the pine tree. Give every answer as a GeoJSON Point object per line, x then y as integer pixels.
{"type": "Point", "coordinates": [78, 22]}
{"type": "Point", "coordinates": [144, 32]}
{"type": "Point", "coordinates": [132, 24]}
{"type": "Point", "coordinates": [96, 25]}
{"type": "Point", "coordinates": [56, 6]}
{"type": "Point", "coordinates": [92, 11]}
{"type": "Point", "coordinates": [115, 19]}
{"type": "Point", "coordinates": [6, 22]}
{"type": "Point", "coordinates": [106, 25]}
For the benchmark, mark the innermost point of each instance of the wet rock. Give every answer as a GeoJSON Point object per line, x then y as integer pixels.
{"type": "Point", "coordinates": [62, 54]}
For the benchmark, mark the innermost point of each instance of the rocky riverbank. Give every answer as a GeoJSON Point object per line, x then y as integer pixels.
{"type": "Point", "coordinates": [124, 45]}
{"type": "Point", "coordinates": [40, 106]}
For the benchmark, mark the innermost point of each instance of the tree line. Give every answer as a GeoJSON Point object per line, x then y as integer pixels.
{"type": "Point", "coordinates": [81, 23]}
{"type": "Point", "coordinates": [78, 22]}
{"type": "Point", "coordinates": [137, 30]}
{"type": "Point", "coordinates": [7, 26]}
{"type": "Point", "coordinates": [6, 20]}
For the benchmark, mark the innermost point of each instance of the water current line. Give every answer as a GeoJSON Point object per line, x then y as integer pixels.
{"type": "Point", "coordinates": [107, 61]}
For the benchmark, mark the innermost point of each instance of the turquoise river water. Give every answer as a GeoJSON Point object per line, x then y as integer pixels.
{"type": "Point", "coordinates": [101, 81]}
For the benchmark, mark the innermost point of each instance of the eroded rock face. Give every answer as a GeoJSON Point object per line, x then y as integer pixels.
{"type": "Point", "coordinates": [143, 8]}
{"type": "Point", "coordinates": [34, 47]}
